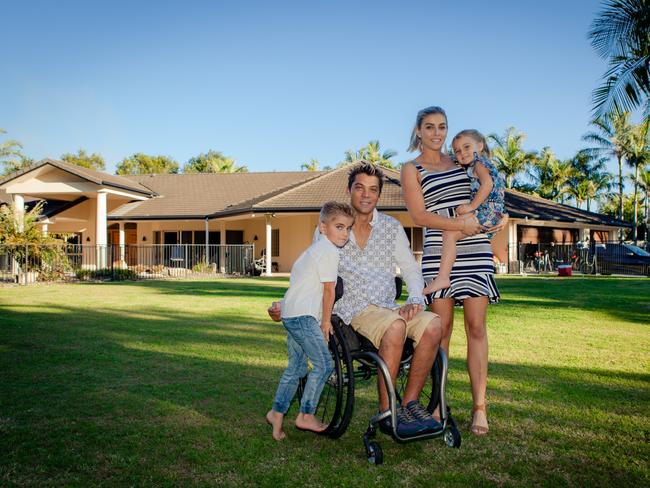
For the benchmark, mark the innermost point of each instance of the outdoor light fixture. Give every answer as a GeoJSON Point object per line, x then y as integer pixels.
{"type": "Point", "coordinates": [87, 239]}
{"type": "Point", "coordinates": [255, 237]}
{"type": "Point", "coordinates": [144, 238]}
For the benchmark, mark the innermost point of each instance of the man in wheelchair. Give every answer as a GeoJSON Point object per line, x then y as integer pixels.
{"type": "Point", "coordinates": [367, 266]}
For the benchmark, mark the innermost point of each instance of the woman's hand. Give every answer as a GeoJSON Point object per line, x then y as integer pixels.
{"type": "Point", "coordinates": [464, 209]}
{"type": "Point", "coordinates": [471, 226]}
{"type": "Point", "coordinates": [502, 223]}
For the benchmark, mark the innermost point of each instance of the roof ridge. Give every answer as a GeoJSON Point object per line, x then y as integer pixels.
{"type": "Point", "coordinates": [271, 194]}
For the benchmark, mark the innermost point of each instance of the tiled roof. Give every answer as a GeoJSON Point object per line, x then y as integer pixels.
{"type": "Point", "coordinates": [524, 206]}
{"type": "Point", "coordinates": [97, 177]}
{"type": "Point", "coordinates": [311, 195]}
{"type": "Point", "coordinates": [206, 194]}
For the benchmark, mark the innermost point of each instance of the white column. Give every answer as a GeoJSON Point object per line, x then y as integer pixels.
{"type": "Point", "coordinates": [222, 248]}
{"type": "Point", "coordinates": [101, 238]}
{"type": "Point", "coordinates": [19, 205]}
{"type": "Point", "coordinates": [122, 245]}
{"type": "Point", "coordinates": [268, 246]}
{"type": "Point", "coordinates": [512, 242]}
{"type": "Point", "coordinates": [44, 229]}
{"type": "Point", "coordinates": [207, 244]}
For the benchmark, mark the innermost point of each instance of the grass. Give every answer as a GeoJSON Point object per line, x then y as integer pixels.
{"type": "Point", "coordinates": [166, 383]}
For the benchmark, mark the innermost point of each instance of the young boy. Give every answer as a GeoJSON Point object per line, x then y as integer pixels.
{"type": "Point", "coordinates": [306, 314]}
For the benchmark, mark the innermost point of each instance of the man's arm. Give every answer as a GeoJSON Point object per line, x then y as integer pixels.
{"type": "Point", "coordinates": [411, 274]}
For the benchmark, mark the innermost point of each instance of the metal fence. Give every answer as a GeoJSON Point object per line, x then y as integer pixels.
{"type": "Point", "coordinates": [29, 263]}
{"type": "Point", "coordinates": [603, 258]}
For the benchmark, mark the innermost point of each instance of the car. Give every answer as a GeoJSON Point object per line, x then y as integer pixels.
{"type": "Point", "coordinates": [622, 258]}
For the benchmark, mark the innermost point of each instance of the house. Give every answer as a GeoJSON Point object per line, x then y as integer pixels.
{"type": "Point", "coordinates": [274, 211]}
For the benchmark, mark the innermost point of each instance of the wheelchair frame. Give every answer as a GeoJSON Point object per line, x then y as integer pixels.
{"type": "Point", "coordinates": [336, 404]}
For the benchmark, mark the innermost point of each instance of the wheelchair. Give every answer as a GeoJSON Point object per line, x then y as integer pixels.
{"type": "Point", "coordinates": [355, 358]}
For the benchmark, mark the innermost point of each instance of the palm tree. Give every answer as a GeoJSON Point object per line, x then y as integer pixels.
{"type": "Point", "coordinates": [550, 175]}
{"type": "Point", "coordinates": [312, 165]}
{"type": "Point", "coordinates": [511, 158]}
{"type": "Point", "coordinates": [638, 156]}
{"type": "Point", "coordinates": [213, 162]}
{"type": "Point", "coordinates": [620, 34]}
{"type": "Point", "coordinates": [590, 178]}
{"type": "Point", "coordinates": [371, 153]}
{"type": "Point", "coordinates": [611, 139]}
{"type": "Point", "coordinates": [644, 184]}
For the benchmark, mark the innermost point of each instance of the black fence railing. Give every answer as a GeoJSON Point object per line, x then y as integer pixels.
{"type": "Point", "coordinates": [29, 263]}
{"type": "Point", "coordinates": [587, 258]}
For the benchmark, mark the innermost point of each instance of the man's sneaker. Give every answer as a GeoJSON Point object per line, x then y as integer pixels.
{"type": "Point", "coordinates": [421, 415]}
{"type": "Point", "coordinates": [407, 425]}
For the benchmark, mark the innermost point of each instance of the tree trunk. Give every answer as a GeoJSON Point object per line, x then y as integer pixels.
{"type": "Point", "coordinates": [636, 207]}
{"type": "Point", "coordinates": [620, 188]}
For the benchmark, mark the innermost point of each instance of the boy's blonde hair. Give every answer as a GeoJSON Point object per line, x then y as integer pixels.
{"type": "Point", "coordinates": [478, 137]}
{"type": "Point", "coordinates": [332, 209]}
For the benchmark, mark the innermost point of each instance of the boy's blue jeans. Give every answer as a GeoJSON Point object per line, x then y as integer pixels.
{"type": "Point", "coordinates": [304, 341]}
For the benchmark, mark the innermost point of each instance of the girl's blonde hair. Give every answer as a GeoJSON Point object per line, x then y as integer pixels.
{"type": "Point", "coordinates": [414, 145]}
{"type": "Point", "coordinates": [478, 137]}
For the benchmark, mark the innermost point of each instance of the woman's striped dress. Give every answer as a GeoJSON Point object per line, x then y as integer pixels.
{"type": "Point", "coordinates": [473, 271]}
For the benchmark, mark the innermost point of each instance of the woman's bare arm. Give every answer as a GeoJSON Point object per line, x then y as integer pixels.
{"type": "Point", "coordinates": [412, 193]}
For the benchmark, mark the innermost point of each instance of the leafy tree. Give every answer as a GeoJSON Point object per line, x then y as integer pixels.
{"type": "Point", "coordinates": [637, 153]}
{"type": "Point", "coordinates": [611, 138]}
{"type": "Point", "coordinates": [312, 165]}
{"type": "Point", "coordinates": [91, 161]}
{"type": "Point", "coordinates": [11, 158]}
{"type": "Point", "coordinates": [620, 34]}
{"type": "Point", "coordinates": [509, 154]}
{"type": "Point", "coordinates": [372, 153]}
{"type": "Point", "coordinates": [213, 162]}
{"type": "Point", "coordinates": [143, 164]}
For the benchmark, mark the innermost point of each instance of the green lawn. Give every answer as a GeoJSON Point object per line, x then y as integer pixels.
{"type": "Point", "coordinates": [167, 383]}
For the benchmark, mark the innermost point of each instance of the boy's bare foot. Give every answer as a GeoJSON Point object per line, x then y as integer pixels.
{"type": "Point", "coordinates": [306, 421]}
{"type": "Point", "coordinates": [274, 419]}
{"type": "Point", "coordinates": [438, 284]}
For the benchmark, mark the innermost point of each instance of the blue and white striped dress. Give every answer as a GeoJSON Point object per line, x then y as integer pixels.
{"type": "Point", "coordinates": [473, 271]}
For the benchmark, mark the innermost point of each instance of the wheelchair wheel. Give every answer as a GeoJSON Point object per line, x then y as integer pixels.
{"type": "Point", "coordinates": [337, 399]}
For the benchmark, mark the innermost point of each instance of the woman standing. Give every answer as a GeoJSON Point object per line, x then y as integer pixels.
{"type": "Point", "coordinates": [433, 186]}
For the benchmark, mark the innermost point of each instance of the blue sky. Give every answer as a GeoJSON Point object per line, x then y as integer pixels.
{"type": "Point", "coordinates": [273, 84]}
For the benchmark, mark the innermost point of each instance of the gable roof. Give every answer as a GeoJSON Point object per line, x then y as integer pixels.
{"type": "Point", "coordinates": [197, 196]}
{"type": "Point", "coordinates": [97, 177]}
{"type": "Point", "coordinates": [525, 206]}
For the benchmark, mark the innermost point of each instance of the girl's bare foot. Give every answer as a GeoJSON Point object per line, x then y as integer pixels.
{"type": "Point", "coordinates": [306, 421]}
{"type": "Point", "coordinates": [438, 284]}
{"type": "Point", "coordinates": [274, 419]}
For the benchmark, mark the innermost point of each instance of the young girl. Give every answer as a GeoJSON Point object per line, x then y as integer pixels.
{"type": "Point", "coordinates": [487, 187]}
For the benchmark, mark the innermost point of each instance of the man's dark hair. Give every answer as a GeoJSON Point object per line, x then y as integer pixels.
{"type": "Point", "coordinates": [366, 168]}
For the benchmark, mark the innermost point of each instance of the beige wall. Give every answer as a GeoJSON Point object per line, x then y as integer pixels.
{"type": "Point", "coordinates": [81, 219]}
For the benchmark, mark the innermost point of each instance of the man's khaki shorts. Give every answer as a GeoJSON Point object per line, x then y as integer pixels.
{"type": "Point", "coordinates": [374, 321]}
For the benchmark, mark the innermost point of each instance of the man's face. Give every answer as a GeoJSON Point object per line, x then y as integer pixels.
{"type": "Point", "coordinates": [364, 193]}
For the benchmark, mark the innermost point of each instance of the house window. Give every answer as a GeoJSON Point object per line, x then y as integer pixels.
{"type": "Point", "coordinates": [275, 242]}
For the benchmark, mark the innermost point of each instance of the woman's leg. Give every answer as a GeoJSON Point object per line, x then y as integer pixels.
{"type": "Point", "coordinates": [477, 358]}
{"type": "Point", "coordinates": [447, 258]}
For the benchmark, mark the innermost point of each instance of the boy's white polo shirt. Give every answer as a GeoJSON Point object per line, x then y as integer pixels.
{"type": "Point", "coordinates": [317, 265]}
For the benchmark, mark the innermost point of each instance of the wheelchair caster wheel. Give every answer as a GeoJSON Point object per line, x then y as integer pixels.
{"type": "Point", "coordinates": [375, 454]}
{"type": "Point", "coordinates": [452, 436]}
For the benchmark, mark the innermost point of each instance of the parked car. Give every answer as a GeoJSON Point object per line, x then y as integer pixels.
{"type": "Point", "coordinates": [622, 258]}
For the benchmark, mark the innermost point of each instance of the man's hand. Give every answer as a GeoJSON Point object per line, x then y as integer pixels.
{"type": "Point", "coordinates": [464, 209]}
{"type": "Point", "coordinates": [407, 312]}
{"type": "Point", "coordinates": [275, 311]}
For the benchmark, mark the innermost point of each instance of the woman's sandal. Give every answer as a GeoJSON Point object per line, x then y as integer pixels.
{"type": "Point", "coordinates": [475, 428]}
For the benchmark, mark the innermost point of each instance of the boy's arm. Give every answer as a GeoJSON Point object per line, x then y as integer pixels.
{"type": "Point", "coordinates": [487, 184]}
{"type": "Point", "coordinates": [329, 291]}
